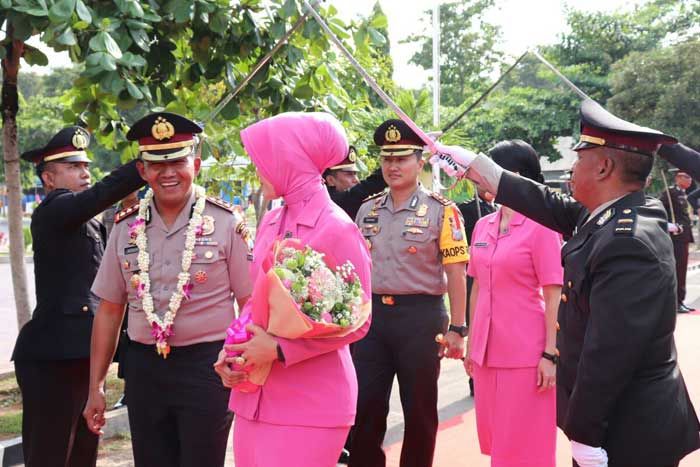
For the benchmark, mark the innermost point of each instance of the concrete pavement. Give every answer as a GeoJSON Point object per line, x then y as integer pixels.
{"type": "Point", "coordinates": [457, 441]}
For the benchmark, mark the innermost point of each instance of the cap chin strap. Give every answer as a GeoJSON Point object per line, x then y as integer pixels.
{"type": "Point", "coordinates": [150, 157]}
{"type": "Point", "coordinates": [63, 155]}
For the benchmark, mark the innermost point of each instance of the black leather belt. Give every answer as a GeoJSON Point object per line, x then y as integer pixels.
{"type": "Point", "coordinates": [403, 300]}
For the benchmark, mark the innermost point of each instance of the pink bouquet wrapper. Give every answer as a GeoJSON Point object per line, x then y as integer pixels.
{"type": "Point", "coordinates": [274, 309]}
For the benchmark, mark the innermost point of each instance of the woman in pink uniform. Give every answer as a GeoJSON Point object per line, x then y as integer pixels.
{"type": "Point", "coordinates": [517, 273]}
{"type": "Point", "coordinates": [302, 414]}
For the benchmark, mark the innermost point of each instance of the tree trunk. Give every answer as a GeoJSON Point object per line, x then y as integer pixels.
{"type": "Point", "coordinates": [9, 106]}
{"type": "Point", "coordinates": [258, 205]}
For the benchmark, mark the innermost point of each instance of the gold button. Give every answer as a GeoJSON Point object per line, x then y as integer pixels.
{"type": "Point", "coordinates": [570, 284]}
{"type": "Point", "coordinates": [85, 308]}
{"type": "Point", "coordinates": [209, 255]}
{"type": "Point", "coordinates": [564, 298]}
{"type": "Point", "coordinates": [558, 327]}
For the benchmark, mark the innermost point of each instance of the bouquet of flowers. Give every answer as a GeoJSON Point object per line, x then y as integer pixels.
{"type": "Point", "coordinates": [301, 294]}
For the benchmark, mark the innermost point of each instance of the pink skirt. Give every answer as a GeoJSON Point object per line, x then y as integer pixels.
{"type": "Point", "coordinates": [258, 444]}
{"type": "Point", "coordinates": [516, 424]}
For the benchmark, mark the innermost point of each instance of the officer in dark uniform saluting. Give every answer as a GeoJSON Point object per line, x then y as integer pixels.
{"type": "Point", "coordinates": [346, 190]}
{"type": "Point", "coordinates": [675, 201]}
{"type": "Point", "coordinates": [419, 251]}
{"type": "Point", "coordinates": [621, 398]}
{"type": "Point", "coordinates": [52, 353]}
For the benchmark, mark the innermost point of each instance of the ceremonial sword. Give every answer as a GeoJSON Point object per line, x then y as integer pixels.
{"type": "Point", "coordinates": [258, 66]}
{"type": "Point", "coordinates": [370, 81]}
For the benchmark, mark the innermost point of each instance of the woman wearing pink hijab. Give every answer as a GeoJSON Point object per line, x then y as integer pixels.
{"type": "Point", "coordinates": [303, 412]}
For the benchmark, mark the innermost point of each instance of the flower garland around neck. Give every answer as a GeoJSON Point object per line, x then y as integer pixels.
{"type": "Point", "coordinates": [161, 328]}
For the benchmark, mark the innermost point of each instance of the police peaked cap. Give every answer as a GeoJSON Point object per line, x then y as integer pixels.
{"type": "Point", "coordinates": [68, 145]}
{"type": "Point", "coordinates": [164, 136]}
{"type": "Point", "coordinates": [395, 138]}
{"type": "Point", "coordinates": [601, 128]}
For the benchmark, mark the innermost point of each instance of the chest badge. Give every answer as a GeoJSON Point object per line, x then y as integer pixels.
{"type": "Point", "coordinates": [208, 225]}
{"type": "Point", "coordinates": [200, 277]}
{"type": "Point", "coordinates": [417, 222]}
{"type": "Point", "coordinates": [422, 210]}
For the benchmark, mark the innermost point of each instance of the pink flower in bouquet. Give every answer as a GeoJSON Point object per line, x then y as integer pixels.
{"type": "Point", "coordinates": [320, 282]}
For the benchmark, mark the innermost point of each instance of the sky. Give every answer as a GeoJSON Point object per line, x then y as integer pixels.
{"type": "Point", "coordinates": [524, 23]}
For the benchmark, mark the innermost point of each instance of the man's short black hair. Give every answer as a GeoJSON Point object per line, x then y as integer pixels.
{"type": "Point", "coordinates": [635, 167]}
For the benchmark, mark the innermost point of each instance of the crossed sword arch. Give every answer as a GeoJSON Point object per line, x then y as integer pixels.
{"type": "Point", "coordinates": [311, 11]}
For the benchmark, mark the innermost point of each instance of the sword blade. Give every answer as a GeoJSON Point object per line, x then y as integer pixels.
{"type": "Point", "coordinates": [561, 76]}
{"type": "Point", "coordinates": [369, 80]}
{"type": "Point", "coordinates": [258, 66]}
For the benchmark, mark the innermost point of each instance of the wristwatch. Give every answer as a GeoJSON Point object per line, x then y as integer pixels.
{"type": "Point", "coordinates": [461, 330]}
{"type": "Point", "coordinates": [554, 358]}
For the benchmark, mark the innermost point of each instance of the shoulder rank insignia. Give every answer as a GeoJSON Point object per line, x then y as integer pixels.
{"type": "Point", "coordinates": [244, 233]}
{"type": "Point", "coordinates": [626, 222]}
{"type": "Point", "coordinates": [221, 203]}
{"type": "Point", "coordinates": [124, 213]}
{"type": "Point", "coordinates": [444, 201]}
{"type": "Point", "coordinates": [376, 195]}
{"type": "Point", "coordinates": [605, 217]}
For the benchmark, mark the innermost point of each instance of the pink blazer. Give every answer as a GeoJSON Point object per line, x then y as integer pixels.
{"type": "Point", "coordinates": [508, 330]}
{"type": "Point", "coordinates": [316, 386]}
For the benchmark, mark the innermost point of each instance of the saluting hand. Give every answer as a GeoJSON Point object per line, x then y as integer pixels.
{"type": "Point", "coordinates": [94, 412]}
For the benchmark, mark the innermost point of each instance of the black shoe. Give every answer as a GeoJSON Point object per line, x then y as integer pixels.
{"type": "Point", "coordinates": [121, 402]}
{"type": "Point", "coordinates": [344, 457]}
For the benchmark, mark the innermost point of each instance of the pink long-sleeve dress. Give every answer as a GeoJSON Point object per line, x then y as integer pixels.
{"type": "Point", "coordinates": [303, 412]}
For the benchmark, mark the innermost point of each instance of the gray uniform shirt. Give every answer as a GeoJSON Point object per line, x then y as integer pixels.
{"type": "Point", "coordinates": [410, 244]}
{"type": "Point", "coordinates": [219, 269]}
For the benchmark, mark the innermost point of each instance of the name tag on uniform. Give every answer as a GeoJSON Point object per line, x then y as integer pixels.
{"type": "Point", "coordinates": [205, 241]}
{"type": "Point", "coordinates": [131, 249]}
{"type": "Point", "coordinates": [480, 245]}
{"type": "Point", "coordinates": [371, 220]}
{"type": "Point", "coordinates": [417, 222]}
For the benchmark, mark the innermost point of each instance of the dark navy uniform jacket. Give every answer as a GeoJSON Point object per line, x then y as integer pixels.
{"type": "Point", "coordinates": [350, 200]}
{"type": "Point", "coordinates": [68, 245]}
{"type": "Point", "coordinates": [618, 383]}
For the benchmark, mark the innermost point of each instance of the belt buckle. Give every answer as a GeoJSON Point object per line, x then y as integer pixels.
{"type": "Point", "coordinates": [388, 300]}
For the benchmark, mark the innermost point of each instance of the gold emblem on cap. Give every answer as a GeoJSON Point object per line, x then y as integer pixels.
{"type": "Point", "coordinates": [162, 129]}
{"type": "Point", "coordinates": [392, 134]}
{"type": "Point", "coordinates": [352, 156]}
{"type": "Point", "coordinates": [80, 140]}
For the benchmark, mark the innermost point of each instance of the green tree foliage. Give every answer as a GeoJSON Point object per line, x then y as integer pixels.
{"type": "Point", "coordinates": [184, 56]}
{"type": "Point", "coordinates": [661, 89]}
{"type": "Point", "coordinates": [467, 48]}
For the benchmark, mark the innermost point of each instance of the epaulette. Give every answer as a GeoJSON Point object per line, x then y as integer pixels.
{"type": "Point", "coordinates": [243, 231]}
{"type": "Point", "coordinates": [376, 195]}
{"type": "Point", "coordinates": [441, 199]}
{"type": "Point", "coordinates": [124, 213]}
{"type": "Point", "coordinates": [221, 203]}
{"type": "Point", "coordinates": [626, 223]}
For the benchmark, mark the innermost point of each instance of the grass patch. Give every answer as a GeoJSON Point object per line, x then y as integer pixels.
{"type": "Point", "coordinates": [116, 443]}
{"type": "Point", "coordinates": [114, 387]}
{"type": "Point", "coordinates": [11, 423]}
